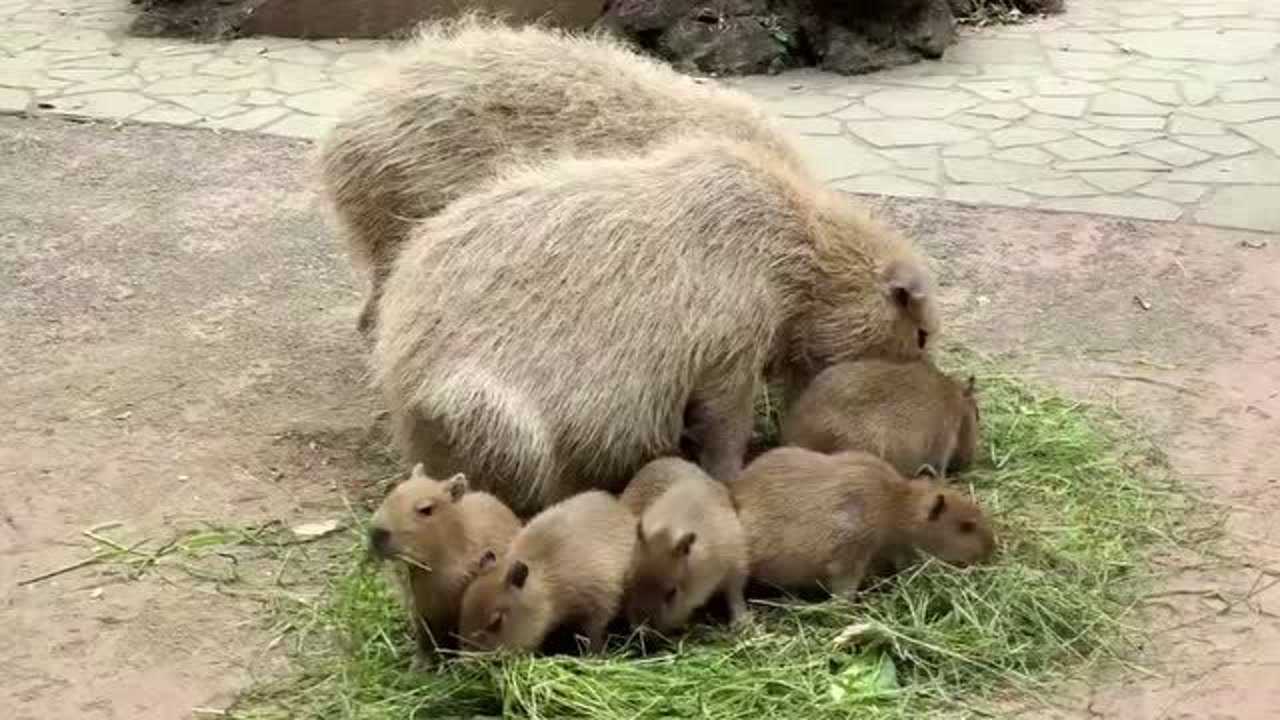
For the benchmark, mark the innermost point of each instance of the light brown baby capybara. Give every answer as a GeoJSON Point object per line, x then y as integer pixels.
{"type": "Point", "coordinates": [909, 413]}
{"type": "Point", "coordinates": [439, 530]}
{"type": "Point", "coordinates": [689, 546]}
{"type": "Point", "coordinates": [826, 520]}
{"type": "Point", "coordinates": [568, 566]}
{"type": "Point", "coordinates": [557, 330]}
{"type": "Point", "coordinates": [466, 98]}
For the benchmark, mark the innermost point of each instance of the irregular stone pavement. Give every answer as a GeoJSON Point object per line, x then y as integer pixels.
{"type": "Point", "coordinates": [1159, 109]}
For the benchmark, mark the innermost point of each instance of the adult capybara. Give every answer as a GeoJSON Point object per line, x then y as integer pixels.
{"type": "Point", "coordinates": [547, 334]}
{"type": "Point", "coordinates": [467, 97]}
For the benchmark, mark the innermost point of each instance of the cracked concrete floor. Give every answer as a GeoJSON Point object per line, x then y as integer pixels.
{"type": "Point", "coordinates": [1154, 109]}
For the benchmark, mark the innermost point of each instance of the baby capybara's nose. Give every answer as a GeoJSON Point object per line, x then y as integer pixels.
{"type": "Point", "coordinates": [379, 540]}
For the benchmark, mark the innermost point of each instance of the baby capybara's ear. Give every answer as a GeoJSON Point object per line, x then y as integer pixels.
{"type": "Point", "coordinates": [457, 486]}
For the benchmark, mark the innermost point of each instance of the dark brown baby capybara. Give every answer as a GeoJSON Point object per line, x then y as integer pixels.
{"type": "Point", "coordinates": [814, 519]}
{"type": "Point", "coordinates": [909, 413]}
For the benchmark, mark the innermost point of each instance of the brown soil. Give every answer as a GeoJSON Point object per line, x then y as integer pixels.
{"type": "Point", "coordinates": [177, 347]}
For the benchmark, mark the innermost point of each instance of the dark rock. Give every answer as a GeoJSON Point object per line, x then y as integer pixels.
{"type": "Point", "coordinates": [640, 16]}
{"type": "Point", "coordinates": [196, 19]}
{"type": "Point", "coordinates": [1043, 7]}
{"type": "Point", "coordinates": [968, 8]}
{"type": "Point", "coordinates": [754, 36]}
{"type": "Point", "coordinates": [719, 43]}
{"type": "Point", "coordinates": [851, 53]}
{"type": "Point", "coordinates": [881, 34]}
{"type": "Point", "coordinates": [930, 30]}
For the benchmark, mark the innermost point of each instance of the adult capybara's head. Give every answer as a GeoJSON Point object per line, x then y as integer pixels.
{"type": "Point", "coordinates": [871, 293]}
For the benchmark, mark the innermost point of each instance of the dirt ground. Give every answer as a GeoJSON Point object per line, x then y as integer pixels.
{"type": "Point", "coordinates": [177, 346]}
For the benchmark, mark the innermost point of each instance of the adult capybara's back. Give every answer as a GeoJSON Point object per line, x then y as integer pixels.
{"type": "Point", "coordinates": [553, 331]}
{"type": "Point", "coordinates": [467, 97]}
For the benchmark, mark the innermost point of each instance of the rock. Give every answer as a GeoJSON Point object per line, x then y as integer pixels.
{"type": "Point", "coordinates": [724, 37]}
{"type": "Point", "coordinates": [852, 53]}
{"type": "Point", "coordinates": [1043, 7]}
{"type": "Point", "coordinates": [713, 41]}
{"type": "Point", "coordinates": [863, 37]}
{"type": "Point", "coordinates": [931, 30]}
{"type": "Point", "coordinates": [640, 16]}
{"type": "Point", "coordinates": [967, 8]}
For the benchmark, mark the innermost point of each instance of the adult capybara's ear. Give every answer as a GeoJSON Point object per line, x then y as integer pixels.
{"type": "Point", "coordinates": [517, 575]}
{"type": "Point", "coordinates": [909, 288]}
{"type": "Point", "coordinates": [908, 284]}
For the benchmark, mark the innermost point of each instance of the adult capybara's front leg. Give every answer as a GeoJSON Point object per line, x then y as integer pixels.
{"type": "Point", "coordinates": [722, 422]}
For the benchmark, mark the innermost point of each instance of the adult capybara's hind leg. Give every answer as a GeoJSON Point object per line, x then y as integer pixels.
{"type": "Point", "coordinates": [421, 441]}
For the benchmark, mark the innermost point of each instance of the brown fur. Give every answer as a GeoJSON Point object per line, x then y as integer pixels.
{"type": "Point", "coordinates": [467, 97]}
{"type": "Point", "coordinates": [438, 529]}
{"type": "Point", "coordinates": [814, 519]}
{"type": "Point", "coordinates": [649, 483]}
{"type": "Point", "coordinates": [550, 332]}
{"type": "Point", "coordinates": [566, 568]}
{"type": "Point", "coordinates": [909, 413]}
{"type": "Point", "coordinates": [689, 546]}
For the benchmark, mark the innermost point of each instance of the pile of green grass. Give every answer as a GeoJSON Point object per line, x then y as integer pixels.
{"type": "Point", "coordinates": [1079, 503]}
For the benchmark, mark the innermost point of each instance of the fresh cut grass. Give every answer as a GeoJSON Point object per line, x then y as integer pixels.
{"type": "Point", "coordinates": [1079, 502]}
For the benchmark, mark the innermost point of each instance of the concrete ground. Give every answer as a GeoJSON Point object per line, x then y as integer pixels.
{"type": "Point", "coordinates": [1156, 109]}
{"type": "Point", "coordinates": [177, 349]}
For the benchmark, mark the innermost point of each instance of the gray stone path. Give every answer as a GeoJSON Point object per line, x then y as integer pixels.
{"type": "Point", "coordinates": [1159, 109]}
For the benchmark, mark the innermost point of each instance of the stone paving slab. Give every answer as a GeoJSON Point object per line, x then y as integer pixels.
{"type": "Point", "coordinates": [1161, 110]}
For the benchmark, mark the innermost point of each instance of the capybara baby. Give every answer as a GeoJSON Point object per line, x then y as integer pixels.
{"type": "Point", "coordinates": [439, 530]}
{"type": "Point", "coordinates": [814, 519]}
{"type": "Point", "coordinates": [909, 413]}
{"type": "Point", "coordinates": [689, 546]}
{"type": "Point", "coordinates": [559, 329]}
{"type": "Point", "coordinates": [468, 97]}
{"type": "Point", "coordinates": [567, 567]}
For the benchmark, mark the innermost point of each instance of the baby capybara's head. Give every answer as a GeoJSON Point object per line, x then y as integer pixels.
{"type": "Point", "coordinates": [418, 518]}
{"type": "Point", "coordinates": [949, 525]}
{"type": "Point", "coordinates": [503, 607]}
